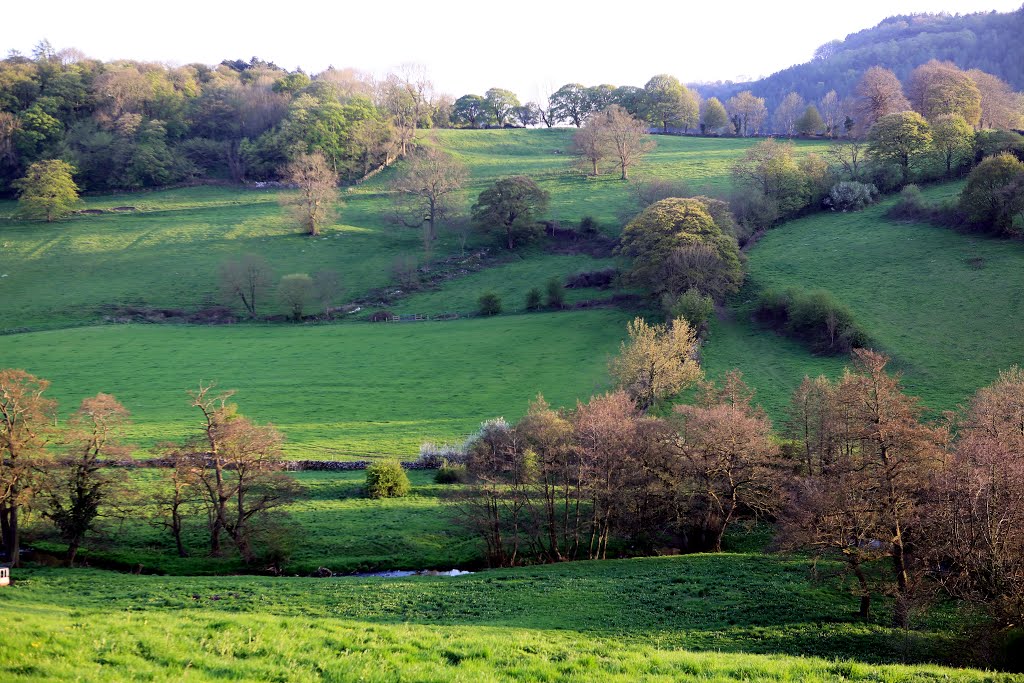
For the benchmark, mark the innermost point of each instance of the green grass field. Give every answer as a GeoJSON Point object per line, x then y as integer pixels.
{"type": "Point", "coordinates": [166, 253]}
{"type": "Point", "coordinates": [944, 305]}
{"type": "Point", "coordinates": [702, 617]}
{"type": "Point", "coordinates": [335, 391]}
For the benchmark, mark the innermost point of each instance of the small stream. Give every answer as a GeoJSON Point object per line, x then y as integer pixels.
{"type": "Point", "coordinates": [401, 574]}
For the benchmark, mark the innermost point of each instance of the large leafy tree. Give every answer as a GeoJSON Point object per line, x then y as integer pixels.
{"type": "Point", "coordinates": [993, 193]}
{"type": "Point", "coordinates": [511, 206]}
{"type": "Point", "coordinates": [941, 89]}
{"type": "Point", "coordinates": [674, 238]}
{"type": "Point", "coordinates": [656, 361]}
{"type": "Point", "coordinates": [899, 139]}
{"type": "Point", "coordinates": [47, 191]}
{"type": "Point", "coordinates": [569, 103]}
{"type": "Point", "coordinates": [501, 105]}
{"type": "Point", "coordinates": [669, 102]}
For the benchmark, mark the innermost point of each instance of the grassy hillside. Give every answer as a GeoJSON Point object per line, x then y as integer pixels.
{"type": "Point", "coordinates": [701, 617]}
{"type": "Point", "coordinates": [166, 252]}
{"type": "Point", "coordinates": [944, 305]}
{"type": "Point", "coordinates": [334, 390]}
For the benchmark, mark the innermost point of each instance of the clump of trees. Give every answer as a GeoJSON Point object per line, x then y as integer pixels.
{"type": "Point", "coordinates": [47, 191]}
{"type": "Point", "coordinates": [230, 474]}
{"type": "Point", "coordinates": [612, 134]}
{"type": "Point", "coordinates": [814, 317]}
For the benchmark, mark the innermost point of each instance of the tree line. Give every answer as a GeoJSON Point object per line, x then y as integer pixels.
{"type": "Point", "coordinates": [228, 473]}
{"type": "Point", "coordinates": [854, 474]}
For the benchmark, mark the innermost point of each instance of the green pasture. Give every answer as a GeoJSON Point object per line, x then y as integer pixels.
{"type": "Point", "coordinates": [165, 252]}
{"type": "Point", "coordinates": [720, 617]}
{"type": "Point", "coordinates": [946, 306]}
{"type": "Point", "coordinates": [335, 391]}
{"type": "Point", "coordinates": [510, 281]}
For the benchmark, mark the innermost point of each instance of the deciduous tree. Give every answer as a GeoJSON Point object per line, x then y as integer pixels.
{"type": "Point", "coordinates": [295, 292]}
{"type": "Point", "coordinates": [747, 113]}
{"type": "Point", "coordinates": [713, 117]}
{"type": "Point", "coordinates": [246, 279]}
{"type": "Point", "coordinates": [78, 483]}
{"type": "Point", "coordinates": [942, 89]}
{"type": "Point", "coordinates": [952, 139]}
{"type": "Point", "coordinates": [899, 139]}
{"type": "Point", "coordinates": [511, 206]}
{"type": "Point", "coordinates": [25, 419]}
{"type": "Point", "coordinates": [47, 191]}
{"type": "Point", "coordinates": [501, 105]}
{"type": "Point", "coordinates": [656, 361]}
{"type": "Point", "coordinates": [425, 188]}
{"type": "Point", "coordinates": [316, 199]}
{"type": "Point", "coordinates": [879, 93]}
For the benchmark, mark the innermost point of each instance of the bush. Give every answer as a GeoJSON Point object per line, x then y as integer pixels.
{"type": "Point", "coordinates": [592, 278]}
{"type": "Point", "coordinates": [533, 299]}
{"type": "Point", "coordinates": [850, 195]}
{"type": "Point", "coordinates": [489, 303]}
{"type": "Point", "coordinates": [451, 474]}
{"type": "Point", "coordinates": [814, 317]}
{"type": "Point", "coordinates": [910, 205]}
{"type": "Point", "coordinates": [387, 479]}
{"type": "Point", "coordinates": [695, 307]}
{"type": "Point", "coordinates": [589, 226]}
{"type": "Point", "coordinates": [436, 455]}
{"type": "Point", "coordinates": [556, 293]}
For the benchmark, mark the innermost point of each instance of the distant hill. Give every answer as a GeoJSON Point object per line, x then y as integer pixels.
{"type": "Point", "coordinates": [990, 41]}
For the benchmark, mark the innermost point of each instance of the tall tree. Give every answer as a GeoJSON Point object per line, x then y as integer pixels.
{"type": "Point", "coordinates": [952, 139]}
{"type": "Point", "coordinates": [424, 189]}
{"type": "Point", "coordinates": [670, 102]}
{"type": "Point", "coordinates": [25, 417]}
{"type": "Point", "coordinates": [831, 110]}
{"type": "Point", "coordinates": [316, 198]}
{"type": "Point", "coordinates": [656, 361]}
{"type": "Point", "coordinates": [47, 190]}
{"type": "Point", "coordinates": [501, 105]}
{"type": "Point", "coordinates": [246, 279]}
{"type": "Point", "coordinates": [569, 103]}
{"type": "Point", "coordinates": [899, 139]}
{"type": "Point", "coordinates": [511, 206]}
{"type": "Point", "coordinates": [879, 93]}
{"type": "Point", "coordinates": [787, 113]}
{"type": "Point", "coordinates": [625, 137]}
{"type": "Point", "coordinates": [942, 89]}
{"type": "Point", "coordinates": [238, 467]}
{"type": "Point", "coordinates": [470, 110]}
{"type": "Point", "coordinates": [747, 113]}
{"type": "Point", "coordinates": [1001, 107]}
{"type": "Point", "coordinates": [79, 484]}
{"type": "Point", "coordinates": [713, 117]}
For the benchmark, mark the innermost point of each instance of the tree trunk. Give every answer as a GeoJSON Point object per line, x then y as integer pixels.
{"type": "Point", "coordinates": [13, 540]}
{"type": "Point", "coordinates": [865, 595]}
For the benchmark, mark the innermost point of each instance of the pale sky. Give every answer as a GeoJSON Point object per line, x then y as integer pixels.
{"type": "Point", "coordinates": [528, 47]}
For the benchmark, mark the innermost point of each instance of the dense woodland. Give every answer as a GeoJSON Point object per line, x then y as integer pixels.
{"type": "Point", "coordinates": [127, 124]}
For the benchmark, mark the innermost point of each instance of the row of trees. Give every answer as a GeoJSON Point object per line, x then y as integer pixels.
{"type": "Point", "coordinates": [230, 472]}
{"type": "Point", "coordinates": [855, 474]}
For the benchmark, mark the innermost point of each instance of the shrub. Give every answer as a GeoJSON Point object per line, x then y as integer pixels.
{"type": "Point", "coordinates": [849, 195]}
{"type": "Point", "coordinates": [910, 205]}
{"type": "Point", "coordinates": [436, 455]}
{"type": "Point", "coordinates": [695, 307]}
{"type": "Point", "coordinates": [387, 479]}
{"type": "Point", "coordinates": [405, 272]}
{"type": "Point", "coordinates": [592, 278]}
{"type": "Point", "coordinates": [556, 293]}
{"type": "Point", "coordinates": [589, 226]}
{"type": "Point", "coordinates": [533, 299]}
{"type": "Point", "coordinates": [814, 317]}
{"type": "Point", "coordinates": [451, 474]}
{"type": "Point", "coordinates": [489, 303]}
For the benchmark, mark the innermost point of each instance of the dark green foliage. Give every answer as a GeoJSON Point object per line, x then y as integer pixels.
{"type": "Point", "coordinates": [489, 303]}
{"type": "Point", "coordinates": [994, 194]}
{"type": "Point", "coordinates": [555, 293]}
{"type": "Point", "coordinates": [512, 207]}
{"type": "Point", "coordinates": [534, 299]}
{"type": "Point", "coordinates": [589, 226]}
{"type": "Point", "coordinates": [695, 307]}
{"type": "Point", "coordinates": [387, 479]}
{"type": "Point", "coordinates": [814, 317]}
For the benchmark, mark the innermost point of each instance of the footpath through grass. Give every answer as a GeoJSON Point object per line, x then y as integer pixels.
{"type": "Point", "coordinates": [946, 306]}
{"type": "Point", "coordinates": [335, 391]}
{"type": "Point", "coordinates": [701, 617]}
